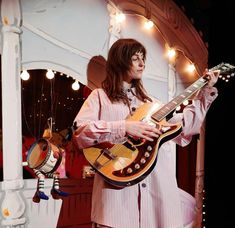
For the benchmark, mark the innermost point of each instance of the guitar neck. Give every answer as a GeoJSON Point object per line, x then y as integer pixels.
{"type": "Point", "coordinates": [178, 100]}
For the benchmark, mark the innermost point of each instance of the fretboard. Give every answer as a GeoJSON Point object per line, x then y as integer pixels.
{"type": "Point", "coordinates": [175, 102]}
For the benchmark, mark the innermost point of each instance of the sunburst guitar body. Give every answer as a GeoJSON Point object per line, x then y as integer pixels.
{"type": "Point", "coordinates": [128, 163]}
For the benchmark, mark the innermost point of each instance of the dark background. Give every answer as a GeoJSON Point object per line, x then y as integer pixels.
{"type": "Point", "coordinates": [215, 20]}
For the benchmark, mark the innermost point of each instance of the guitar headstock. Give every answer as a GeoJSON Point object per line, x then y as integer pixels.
{"type": "Point", "coordinates": [226, 71]}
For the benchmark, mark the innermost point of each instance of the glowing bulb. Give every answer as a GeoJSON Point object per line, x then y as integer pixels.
{"type": "Point", "coordinates": [75, 85]}
{"type": "Point", "coordinates": [148, 24]}
{"type": "Point", "coordinates": [24, 75]}
{"type": "Point", "coordinates": [190, 68]}
{"type": "Point", "coordinates": [50, 74]}
{"type": "Point", "coordinates": [171, 53]}
{"type": "Point", "coordinates": [120, 17]}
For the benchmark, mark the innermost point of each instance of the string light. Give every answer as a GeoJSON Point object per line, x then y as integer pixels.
{"type": "Point", "coordinates": [120, 17]}
{"type": "Point", "coordinates": [25, 75]}
{"type": "Point", "coordinates": [171, 55]}
{"type": "Point", "coordinates": [191, 68]}
{"type": "Point", "coordinates": [50, 74]}
{"type": "Point", "coordinates": [171, 52]}
{"type": "Point", "coordinates": [75, 85]}
{"type": "Point", "coordinates": [148, 24]}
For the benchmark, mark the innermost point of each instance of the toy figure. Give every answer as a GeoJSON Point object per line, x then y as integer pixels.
{"type": "Point", "coordinates": [45, 158]}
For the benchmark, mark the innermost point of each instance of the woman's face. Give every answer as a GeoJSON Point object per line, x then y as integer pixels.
{"type": "Point", "coordinates": [137, 68]}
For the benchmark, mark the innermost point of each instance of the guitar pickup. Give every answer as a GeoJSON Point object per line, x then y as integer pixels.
{"type": "Point", "coordinates": [108, 154]}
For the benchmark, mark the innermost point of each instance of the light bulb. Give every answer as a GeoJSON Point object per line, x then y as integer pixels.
{"type": "Point", "coordinates": [50, 74]}
{"type": "Point", "coordinates": [120, 17]}
{"type": "Point", "coordinates": [171, 53]}
{"type": "Point", "coordinates": [190, 68]}
{"type": "Point", "coordinates": [148, 24]}
{"type": "Point", "coordinates": [75, 85]}
{"type": "Point", "coordinates": [24, 75]}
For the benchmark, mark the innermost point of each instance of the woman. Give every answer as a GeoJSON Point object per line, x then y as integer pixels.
{"type": "Point", "coordinates": [155, 201]}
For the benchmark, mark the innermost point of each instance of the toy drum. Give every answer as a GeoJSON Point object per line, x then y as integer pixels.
{"type": "Point", "coordinates": [44, 156]}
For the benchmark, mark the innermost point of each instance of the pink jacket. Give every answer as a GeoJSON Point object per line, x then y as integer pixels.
{"type": "Point", "coordinates": [162, 203]}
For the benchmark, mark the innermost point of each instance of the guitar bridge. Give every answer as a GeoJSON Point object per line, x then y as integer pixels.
{"type": "Point", "coordinates": [99, 162]}
{"type": "Point", "coordinates": [108, 154]}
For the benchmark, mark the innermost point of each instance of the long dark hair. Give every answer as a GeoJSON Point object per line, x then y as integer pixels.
{"type": "Point", "coordinates": [117, 67]}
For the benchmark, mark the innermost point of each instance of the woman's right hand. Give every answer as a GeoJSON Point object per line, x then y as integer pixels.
{"type": "Point", "coordinates": [139, 129]}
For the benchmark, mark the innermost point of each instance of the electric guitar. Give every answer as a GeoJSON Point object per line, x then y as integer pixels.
{"type": "Point", "coordinates": [127, 164]}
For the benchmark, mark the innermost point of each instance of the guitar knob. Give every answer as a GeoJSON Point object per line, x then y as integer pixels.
{"type": "Point", "coordinates": [142, 160]}
{"type": "Point", "coordinates": [137, 166]}
{"type": "Point", "coordinates": [149, 148]}
{"type": "Point", "coordinates": [146, 154]}
{"type": "Point", "coordinates": [129, 170]}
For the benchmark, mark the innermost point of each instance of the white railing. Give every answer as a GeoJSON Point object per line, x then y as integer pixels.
{"type": "Point", "coordinates": [44, 214]}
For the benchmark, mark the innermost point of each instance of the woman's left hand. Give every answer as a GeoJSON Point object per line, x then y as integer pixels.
{"type": "Point", "coordinates": [212, 77]}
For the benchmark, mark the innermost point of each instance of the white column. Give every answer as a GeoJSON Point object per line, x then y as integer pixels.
{"type": "Point", "coordinates": [13, 205]}
{"type": "Point", "coordinates": [171, 95]}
